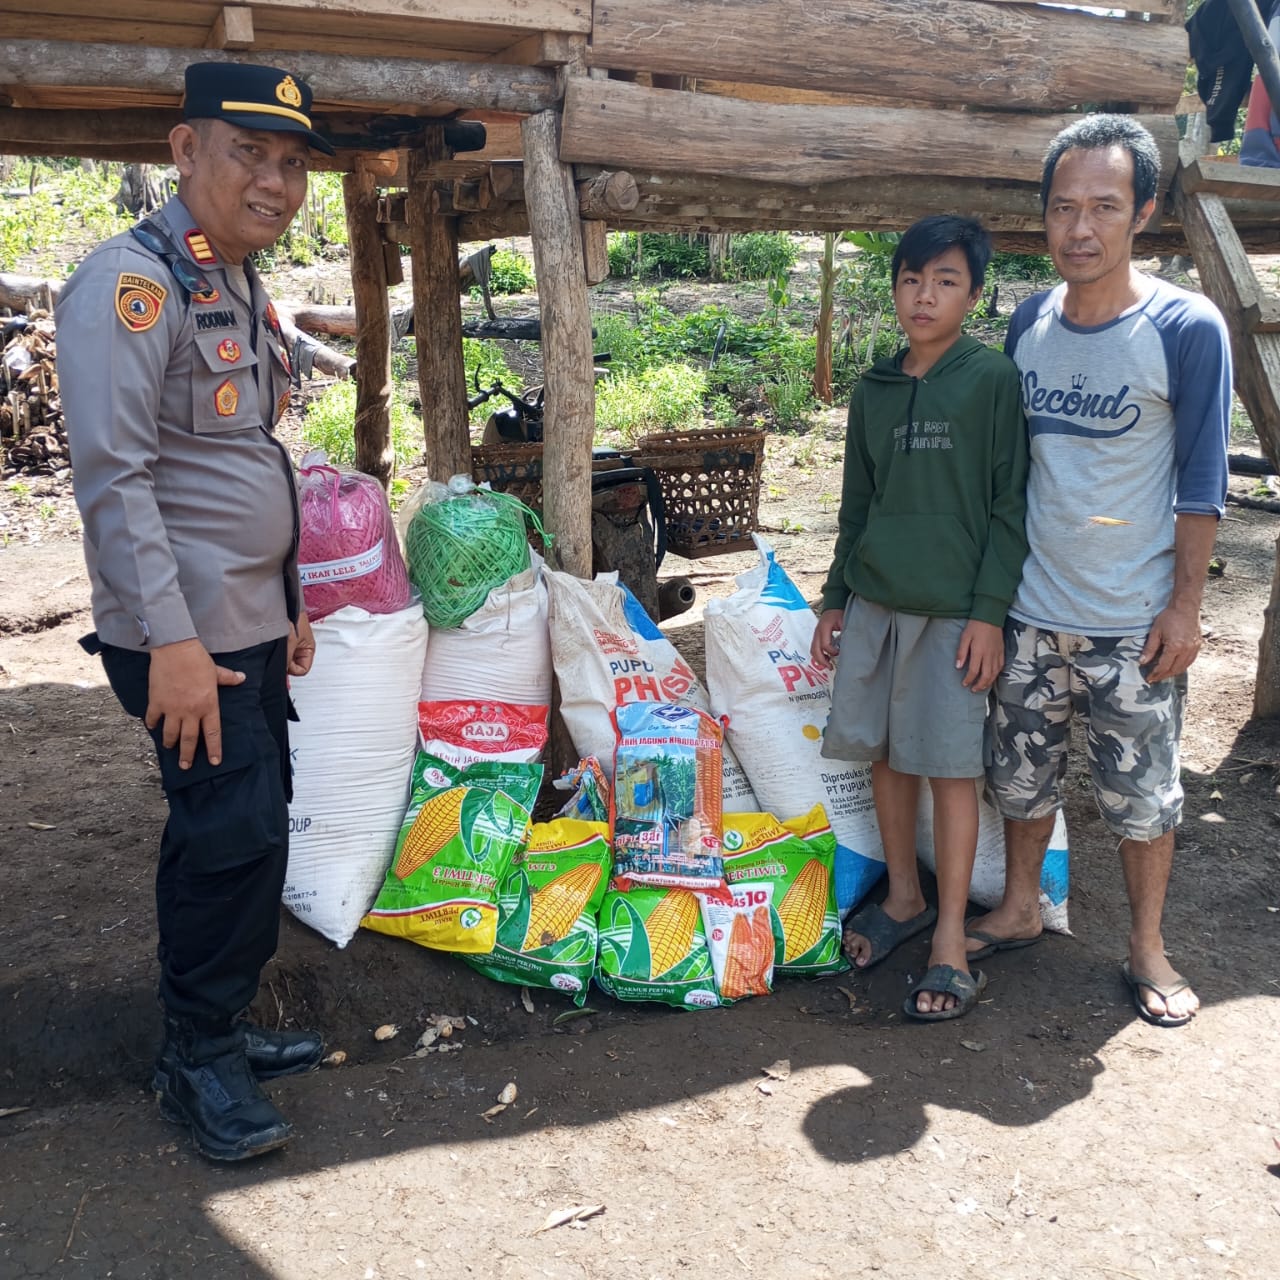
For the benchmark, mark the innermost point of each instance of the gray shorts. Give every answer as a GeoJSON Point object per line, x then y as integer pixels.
{"type": "Point", "coordinates": [1132, 729]}
{"type": "Point", "coordinates": [896, 695]}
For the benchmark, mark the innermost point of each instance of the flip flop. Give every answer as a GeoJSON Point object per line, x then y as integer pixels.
{"type": "Point", "coordinates": [1136, 982]}
{"type": "Point", "coordinates": [884, 932]}
{"type": "Point", "coordinates": [992, 943]}
{"type": "Point", "coordinates": [944, 980]}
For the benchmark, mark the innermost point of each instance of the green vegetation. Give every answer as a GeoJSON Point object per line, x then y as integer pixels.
{"type": "Point", "coordinates": [68, 210]}
{"type": "Point", "coordinates": [510, 272]}
{"type": "Point", "coordinates": [329, 424]}
{"type": "Point", "coordinates": [667, 397]}
{"type": "Point", "coordinates": [757, 255]}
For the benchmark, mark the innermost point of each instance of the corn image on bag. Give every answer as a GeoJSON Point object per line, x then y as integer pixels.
{"type": "Point", "coordinates": [795, 859]}
{"type": "Point", "coordinates": [740, 939]}
{"type": "Point", "coordinates": [547, 908]}
{"type": "Point", "coordinates": [667, 802]}
{"type": "Point", "coordinates": [652, 947]}
{"type": "Point", "coordinates": [463, 827]}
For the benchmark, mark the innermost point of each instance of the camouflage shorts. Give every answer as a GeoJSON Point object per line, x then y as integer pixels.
{"type": "Point", "coordinates": [1131, 729]}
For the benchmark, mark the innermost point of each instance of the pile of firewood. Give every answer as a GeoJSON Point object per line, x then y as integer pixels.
{"type": "Point", "coordinates": [32, 435]}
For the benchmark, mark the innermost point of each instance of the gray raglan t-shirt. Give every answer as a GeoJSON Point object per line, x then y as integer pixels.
{"type": "Point", "coordinates": [1128, 424]}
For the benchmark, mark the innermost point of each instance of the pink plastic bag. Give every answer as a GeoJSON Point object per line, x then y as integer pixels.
{"type": "Point", "coordinates": [347, 553]}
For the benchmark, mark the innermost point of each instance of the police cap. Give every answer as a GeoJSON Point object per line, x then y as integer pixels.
{"type": "Point", "coordinates": [251, 96]}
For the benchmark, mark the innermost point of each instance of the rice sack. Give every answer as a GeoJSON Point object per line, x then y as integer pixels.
{"type": "Point", "coordinates": [547, 908]}
{"type": "Point", "coordinates": [653, 947]}
{"type": "Point", "coordinates": [667, 809]}
{"type": "Point", "coordinates": [740, 939]}
{"type": "Point", "coordinates": [795, 859]}
{"type": "Point", "coordinates": [462, 830]}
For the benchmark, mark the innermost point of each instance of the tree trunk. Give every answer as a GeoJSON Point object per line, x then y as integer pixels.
{"type": "Point", "coordinates": [566, 343]}
{"type": "Point", "coordinates": [437, 322]}
{"type": "Point", "coordinates": [826, 304]}
{"type": "Point", "coordinates": [375, 453]}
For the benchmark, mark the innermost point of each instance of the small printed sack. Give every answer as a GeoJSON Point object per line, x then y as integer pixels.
{"type": "Point", "coordinates": [740, 938]}
{"type": "Point", "coordinates": [666, 799]}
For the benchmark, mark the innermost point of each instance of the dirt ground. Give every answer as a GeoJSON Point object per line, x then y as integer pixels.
{"type": "Point", "coordinates": [1051, 1134]}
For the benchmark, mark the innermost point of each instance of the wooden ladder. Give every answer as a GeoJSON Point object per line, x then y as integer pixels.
{"type": "Point", "coordinates": [1200, 187]}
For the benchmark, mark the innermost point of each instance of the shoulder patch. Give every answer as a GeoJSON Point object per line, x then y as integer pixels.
{"type": "Point", "coordinates": [138, 301]}
{"type": "Point", "coordinates": [199, 248]}
{"type": "Point", "coordinates": [226, 399]}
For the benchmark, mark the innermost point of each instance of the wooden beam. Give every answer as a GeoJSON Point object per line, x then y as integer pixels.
{"type": "Point", "coordinates": [947, 52]}
{"type": "Point", "coordinates": [595, 251]}
{"type": "Point", "coordinates": [518, 15]}
{"type": "Point", "coordinates": [626, 125]}
{"type": "Point", "coordinates": [1227, 178]}
{"type": "Point", "coordinates": [438, 86]}
{"type": "Point", "coordinates": [437, 317]}
{"type": "Point", "coordinates": [569, 412]}
{"type": "Point", "coordinates": [375, 454]}
{"type": "Point", "coordinates": [232, 28]}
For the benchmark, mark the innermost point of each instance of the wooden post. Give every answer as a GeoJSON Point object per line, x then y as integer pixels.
{"type": "Point", "coordinates": [569, 413]}
{"type": "Point", "coordinates": [374, 452]}
{"type": "Point", "coordinates": [437, 321]}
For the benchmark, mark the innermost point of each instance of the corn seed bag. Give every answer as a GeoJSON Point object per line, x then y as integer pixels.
{"type": "Point", "coordinates": [667, 800]}
{"type": "Point", "coordinates": [462, 829]}
{"type": "Point", "coordinates": [547, 909]}
{"type": "Point", "coordinates": [652, 947]}
{"type": "Point", "coordinates": [740, 939]}
{"type": "Point", "coordinates": [795, 859]}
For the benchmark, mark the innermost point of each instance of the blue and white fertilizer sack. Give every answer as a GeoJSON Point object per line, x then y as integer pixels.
{"type": "Point", "coordinates": [776, 701]}
{"type": "Point", "coordinates": [987, 885]}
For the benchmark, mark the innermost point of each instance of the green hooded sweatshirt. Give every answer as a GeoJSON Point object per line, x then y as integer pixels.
{"type": "Point", "coordinates": [934, 495]}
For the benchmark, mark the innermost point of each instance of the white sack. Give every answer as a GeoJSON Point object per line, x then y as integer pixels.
{"type": "Point", "coordinates": [352, 752]}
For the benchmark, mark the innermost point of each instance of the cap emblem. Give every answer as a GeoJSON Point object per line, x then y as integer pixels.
{"type": "Point", "coordinates": [289, 93]}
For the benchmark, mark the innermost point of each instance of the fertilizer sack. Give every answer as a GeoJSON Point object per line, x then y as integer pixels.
{"type": "Point", "coordinates": [775, 703]}
{"type": "Point", "coordinates": [464, 732]}
{"type": "Point", "coordinates": [352, 752]}
{"type": "Point", "coordinates": [987, 886]}
{"type": "Point", "coordinates": [653, 947]}
{"type": "Point", "coordinates": [348, 553]}
{"type": "Point", "coordinates": [547, 908]}
{"type": "Point", "coordinates": [462, 830]}
{"type": "Point", "coordinates": [608, 653]}
{"type": "Point", "coordinates": [795, 861]}
{"type": "Point", "coordinates": [667, 811]}
{"type": "Point", "coordinates": [499, 653]}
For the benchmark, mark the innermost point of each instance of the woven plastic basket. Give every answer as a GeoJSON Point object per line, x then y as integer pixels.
{"type": "Point", "coordinates": [517, 469]}
{"type": "Point", "coordinates": [711, 486]}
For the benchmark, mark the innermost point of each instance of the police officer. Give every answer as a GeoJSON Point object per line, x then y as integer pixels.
{"type": "Point", "coordinates": [173, 374]}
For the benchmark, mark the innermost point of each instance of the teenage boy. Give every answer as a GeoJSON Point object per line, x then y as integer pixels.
{"type": "Point", "coordinates": [928, 555]}
{"type": "Point", "coordinates": [1127, 385]}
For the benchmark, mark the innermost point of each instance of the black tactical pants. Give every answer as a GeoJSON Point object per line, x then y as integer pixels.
{"type": "Point", "coordinates": [225, 847]}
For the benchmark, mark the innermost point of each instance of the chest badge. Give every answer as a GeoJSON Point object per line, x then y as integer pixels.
{"type": "Point", "coordinates": [229, 350]}
{"type": "Point", "coordinates": [138, 301]}
{"type": "Point", "coordinates": [226, 399]}
{"type": "Point", "coordinates": [211, 296]}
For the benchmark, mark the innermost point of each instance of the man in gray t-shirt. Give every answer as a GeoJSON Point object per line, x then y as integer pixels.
{"type": "Point", "coordinates": [1126, 383]}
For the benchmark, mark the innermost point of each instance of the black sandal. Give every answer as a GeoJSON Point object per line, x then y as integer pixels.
{"type": "Point", "coordinates": [884, 932]}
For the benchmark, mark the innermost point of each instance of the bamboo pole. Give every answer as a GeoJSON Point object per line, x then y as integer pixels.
{"type": "Point", "coordinates": [375, 454]}
{"type": "Point", "coordinates": [569, 414]}
{"type": "Point", "coordinates": [437, 322]}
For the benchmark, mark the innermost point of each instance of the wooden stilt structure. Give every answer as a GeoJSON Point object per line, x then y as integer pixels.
{"type": "Point", "coordinates": [374, 452]}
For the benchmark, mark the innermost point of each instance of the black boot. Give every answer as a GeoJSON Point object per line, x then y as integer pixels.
{"type": "Point", "coordinates": [281, 1053]}
{"type": "Point", "coordinates": [203, 1081]}
{"type": "Point", "coordinates": [270, 1053]}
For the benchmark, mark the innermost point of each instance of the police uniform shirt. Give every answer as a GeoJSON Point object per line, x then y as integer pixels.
{"type": "Point", "coordinates": [188, 501]}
